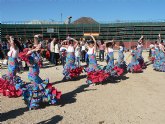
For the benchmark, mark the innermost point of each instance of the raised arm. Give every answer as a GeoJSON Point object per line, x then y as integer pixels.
{"type": "Point", "coordinates": [159, 38]}
{"type": "Point", "coordinates": [64, 42]}
{"type": "Point", "coordinates": [94, 41]}
{"type": "Point", "coordinates": [141, 38]}
{"type": "Point", "coordinates": [74, 41]}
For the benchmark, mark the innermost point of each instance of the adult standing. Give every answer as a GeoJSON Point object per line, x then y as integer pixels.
{"type": "Point", "coordinates": [56, 51]}
{"type": "Point", "coordinates": [101, 50]}
{"type": "Point", "coordinates": [52, 51]}
{"type": "Point", "coordinates": [83, 52]}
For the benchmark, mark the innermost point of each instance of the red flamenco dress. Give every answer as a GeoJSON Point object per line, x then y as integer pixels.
{"type": "Point", "coordinates": [134, 66]}
{"type": "Point", "coordinates": [70, 69]}
{"type": "Point", "coordinates": [10, 84]}
{"type": "Point", "coordinates": [95, 74]}
{"type": "Point", "coordinates": [113, 70]}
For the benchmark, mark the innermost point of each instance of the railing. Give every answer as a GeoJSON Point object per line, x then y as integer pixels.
{"type": "Point", "coordinates": [100, 22]}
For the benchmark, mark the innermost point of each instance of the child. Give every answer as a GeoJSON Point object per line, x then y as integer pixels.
{"type": "Point", "coordinates": [111, 68]}
{"type": "Point", "coordinates": [120, 61]}
{"type": "Point", "coordinates": [70, 69]}
{"type": "Point", "coordinates": [38, 90]}
{"type": "Point", "coordinates": [139, 52]}
{"type": "Point", "coordinates": [9, 82]}
{"type": "Point", "coordinates": [94, 73]}
{"type": "Point", "coordinates": [134, 66]}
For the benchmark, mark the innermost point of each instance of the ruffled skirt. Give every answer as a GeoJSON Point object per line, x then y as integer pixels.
{"type": "Point", "coordinates": [95, 74]}
{"type": "Point", "coordinates": [11, 87]}
{"type": "Point", "coordinates": [134, 68]}
{"type": "Point", "coordinates": [70, 69]}
{"type": "Point", "coordinates": [35, 94]}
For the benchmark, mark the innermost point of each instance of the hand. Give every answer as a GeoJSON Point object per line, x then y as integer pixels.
{"type": "Point", "coordinates": [10, 37]}
{"type": "Point", "coordinates": [7, 37]}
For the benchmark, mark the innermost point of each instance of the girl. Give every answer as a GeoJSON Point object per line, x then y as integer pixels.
{"type": "Point", "coordinates": [120, 61]}
{"type": "Point", "coordinates": [70, 69]}
{"type": "Point", "coordinates": [110, 56]}
{"type": "Point", "coordinates": [152, 54]}
{"type": "Point", "coordinates": [38, 90]}
{"type": "Point", "coordinates": [63, 54]}
{"type": "Point", "coordinates": [134, 66]}
{"type": "Point", "coordinates": [38, 45]}
{"type": "Point", "coordinates": [156, 64]}
{"type": "Point", "coordinates": [95, 74]}
{"type": "Point", "coordinates": [159, 63]}
{"type": "Point", "coordinates": [139, 52]}
{"type": "Point", "coordinates": [162, 57]}
{"type": "Point", "coordinates": [9, 83]}
{"type": "Point", "coordinates": [111, 68]}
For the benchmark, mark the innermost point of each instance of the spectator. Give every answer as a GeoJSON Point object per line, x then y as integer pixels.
{"type": "Point", "coordinates": [57, 56]}
{"type": "Point", "coordinates": [1, 52]}
{"type": "Point", "coordinates": [52, 51]}
{"type": "Point", "coordinates": [77, 55]}
{"type": "Point", "coordinates": [83, 52]}
{"type": "Point", "coordinates": [63, 54]}
{"type": "Point", "coordinates": [101, 50]}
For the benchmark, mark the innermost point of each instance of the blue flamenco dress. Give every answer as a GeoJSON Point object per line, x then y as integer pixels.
{"type": "Point", "coordinates": [134, 66]}
{"type": "Point", "coordinates": [38, 90]}
{"type": "Point", "coordinates": [140, 57]}
{"type": "Point", "coordinates": [111, 68]}
{"type": "Point", "coordinates": [10, 84]}
{"type": "Point", "coordinates": [95, 74]}
{"type": "Point", "coordinates": [120, 61]}
{"type": "Point", "coordinates": [153, 54]}
{"type": "Point", "coordinates": [159, 63]}
{"type": "Point", "coordinates": [71, 70]}
{"type": "Point", "coordinates": [156, 64]}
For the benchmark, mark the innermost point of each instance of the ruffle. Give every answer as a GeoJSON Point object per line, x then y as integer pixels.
{"type": "Point", "coordinates": [118, 70]}
{"type": "Point", "coordinates": [134, 68]}
{"type": "Point", "coordinates": [34, 94]}
{"type": "Point", "coordinates": [23, 55]}
{"type": "Point", "coordinates": [11, 88]}
{"type": "Point", "coordinates": [152, 59]}
{"type": "Point", "coordinates": [97, 76]}
{"type": "Point", "coordinates": [122, 67]}
{"type": "Point", "coordinates": [159, 65]}
{"type": "Point", "coordinates": [72, 72]}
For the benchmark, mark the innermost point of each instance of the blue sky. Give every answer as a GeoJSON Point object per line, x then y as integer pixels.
{"type": "Point", "coordinates": [100, 10]}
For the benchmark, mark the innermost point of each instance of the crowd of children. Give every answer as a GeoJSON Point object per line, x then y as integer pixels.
{"type": "Point", "coordinates": [71, 51]}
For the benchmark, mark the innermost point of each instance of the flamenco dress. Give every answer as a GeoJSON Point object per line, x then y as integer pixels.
{"type": "Point", "coordinates": [156, 64]}
{"type": "Point", "coordinates": [162, 61]}
{"type": "Point", "coordinates": [10, 84]}
{"type": "Point", "coordinates": [95, 74]}
{"type": "Point", "coordinates": [110, 64]}
{"type": "Point", "coordinates": [71, 70]}
{"type": "Point", "coordinates": [38, 91]}
{"type": "Point", "coordinates": [152, 57]}
{"type": "Point", "coordinates": [159, 63]}
{"type": "Point", "coordinates": [121, 64]}
{"type": "Point", "coordinates": [134, 66]}
{"type": "Point", "coordinates": [140, 57]}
